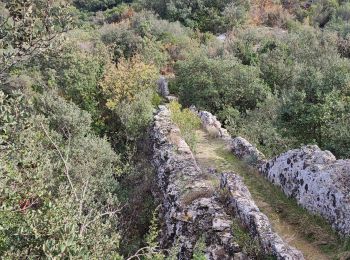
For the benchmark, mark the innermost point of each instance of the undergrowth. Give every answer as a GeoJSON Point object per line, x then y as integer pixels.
{"type": "Point", "coordinates": [250, 245]}
{"type": "Point", "coordinates": [187, 121]}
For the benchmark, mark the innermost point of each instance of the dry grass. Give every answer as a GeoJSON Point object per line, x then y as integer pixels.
{"type": "Point", "coordinates": [193, 195]}
{"type": "Point", "coordinates": [174, 137]}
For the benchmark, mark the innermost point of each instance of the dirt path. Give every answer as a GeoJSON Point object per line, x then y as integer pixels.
{"type": "Point", "coordinates": [212, 153]}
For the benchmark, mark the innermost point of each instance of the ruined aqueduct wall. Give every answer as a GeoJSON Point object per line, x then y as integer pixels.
{"type": "Point", "coordinates": [191, 206]}
{"type": "Point", "coordinates": [315, 178]}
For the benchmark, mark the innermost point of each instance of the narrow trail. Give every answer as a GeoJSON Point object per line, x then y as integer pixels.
{"type": "Point", "coordinates": [213, 153]}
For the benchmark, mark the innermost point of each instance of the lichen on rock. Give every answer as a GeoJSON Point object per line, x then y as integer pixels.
{"type": "Point", "coordinates": [211, 125]}
{"type": "Point", "coordinates": [246, 151]}
{"type": "Point", "coordinates": [189, 207]}
{"type": "Point", "coordinates": [192, 209]}
{"type": "Point", "coordinates": [241, 203]}
{"type": "Point", "coordinates": [317, 180]}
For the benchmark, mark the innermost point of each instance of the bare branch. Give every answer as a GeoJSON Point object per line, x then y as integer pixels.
{"type": "Point", "coordinates": [86, 224]}
{"type": "Point", "coordinates": [83, 198]}
{"type": "Point", "coordinates": [140, 252]}
{"type": "Point", "coordinates": [65, 162]}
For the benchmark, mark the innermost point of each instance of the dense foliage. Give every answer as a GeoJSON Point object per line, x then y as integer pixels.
{"type": "Point", "coordinates": [294, 83]}
{"type": "Point", "coordinates": [219, 83]}
{"type": "Point", "coordinates": [208, 15]}
{"type": "Point", "coordinates": [27, 29]}
{"type": "Point", "coordinates": [96, 5]}
{"type": "Point", "coordinates": [58, 197]}
{"type": "Point", "coordinates": [78, 92]}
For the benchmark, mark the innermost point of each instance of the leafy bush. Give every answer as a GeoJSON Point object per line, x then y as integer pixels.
{"type": "Point", "coordinates": [75, 70]}
{"type": "Point", "coordinates": [124, 42]}
{"type": "Point", "coordinates": [57, 186]}
{"type": "Point", "coordinates": [260, 126]}
{"type": "Point", "coordinates": [145, 35]}
{"type": "Point", "coordinates": [212, 84]}
{"type": "Point", "coordinates": [95, 5]}
{"type": "Point", "coordinates": [117, 13]}
{"type": "Point", "coordinates": [29, 28]}
{"type": "Point", "coordinates": [236, 13]}
{"type": "Point", "coordinates": [137, 114]}
{"type": "Point", "coordinates": [187, 121]}
{"type": "Point", "coordinates": [312, 81]}
{"type": "Point", "coordinates": [207, 15]}
{"type": "Point", "coordinates": [337, 135]}
{"type": "Point", "coordinates": [123, 81]}
{"type": "Point", "coordinates": [323, 11]}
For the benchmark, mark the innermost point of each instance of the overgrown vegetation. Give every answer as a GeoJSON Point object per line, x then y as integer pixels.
{"type": "Point", "coordinates": [187, 121]}
{"type": "Point", "coordinates": [78, 92]}
{"type": "Point", "coordinates": [294, 83]}
{"type": "Point", "coordinates": [199, 249]}
{"type": "Point", "coordinates": [250, 246]}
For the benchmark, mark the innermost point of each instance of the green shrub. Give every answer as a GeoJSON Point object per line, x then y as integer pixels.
{"type": "Point", "coordinates": [199, 250]}
{"type": "Point", "coordinates": [187, 121]}
{"type": "Point", "coordinates": [95, 5]}
{"type": "Point", "coordinates": [260, 126]}
{"type": "Point", "coordinates": [75, 71]}
{"type": "Point", "coordinates": [236, 13]}
{"type": "Point", "coordinates": [338, 135]}
{"type": "Point", "coordinates": [124, 42]}
{"type": "Point", "coordinates": [57, 187]}
{"type": "Point", "coordinates": [212, 84]}
{"type": "Point", "coordinates": [117, 13]}
{"type": "Point", "coordinates": [312, 80]}
{"type": "Point", "coordinates": [250, 246]}
{"type": "Point", "coordinates": [323, 11]}
{"type": "Point", "coordinates": [207, 15]}
{"type": "Point", "coordinates": [135, 38]}
{"type": "Point", "coordinates": [136, 115]}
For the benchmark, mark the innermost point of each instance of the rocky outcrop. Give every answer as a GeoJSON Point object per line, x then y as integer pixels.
{"type": "Point", "coordinates": [163, 89]}
{"type": "Point", "coordinates": [246, 151]}
{"type": "Point", "coordinates": [222, 37]}
{"type": "Point", "coordinates": [191, 208]}
{"type": "Point", "coordinates": [211, 125]}
{"type": "Point", "coordinates": [242, 204]}
{"type": "Point", "coordinates": [318, 182]}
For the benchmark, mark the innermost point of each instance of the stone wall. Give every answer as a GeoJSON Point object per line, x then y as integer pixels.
{"type": "Point", "coordinates": [163, 88]}
{"type": "Point", "coordinates": [211, 124]}
{"type": "Point", "coordinates": [190, 205]}
{"type": "Point", "coordinates": [317, 180]}
{"type": "Point", "coordinates": [246, 151]}
{"type": "Point", "coordinates": [239, 146]}
{"type": "Point", "coordinates": [243, 206]}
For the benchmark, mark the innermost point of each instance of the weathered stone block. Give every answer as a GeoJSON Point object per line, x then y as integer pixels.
{"type": "Point", "coordinates": [317, 180]}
